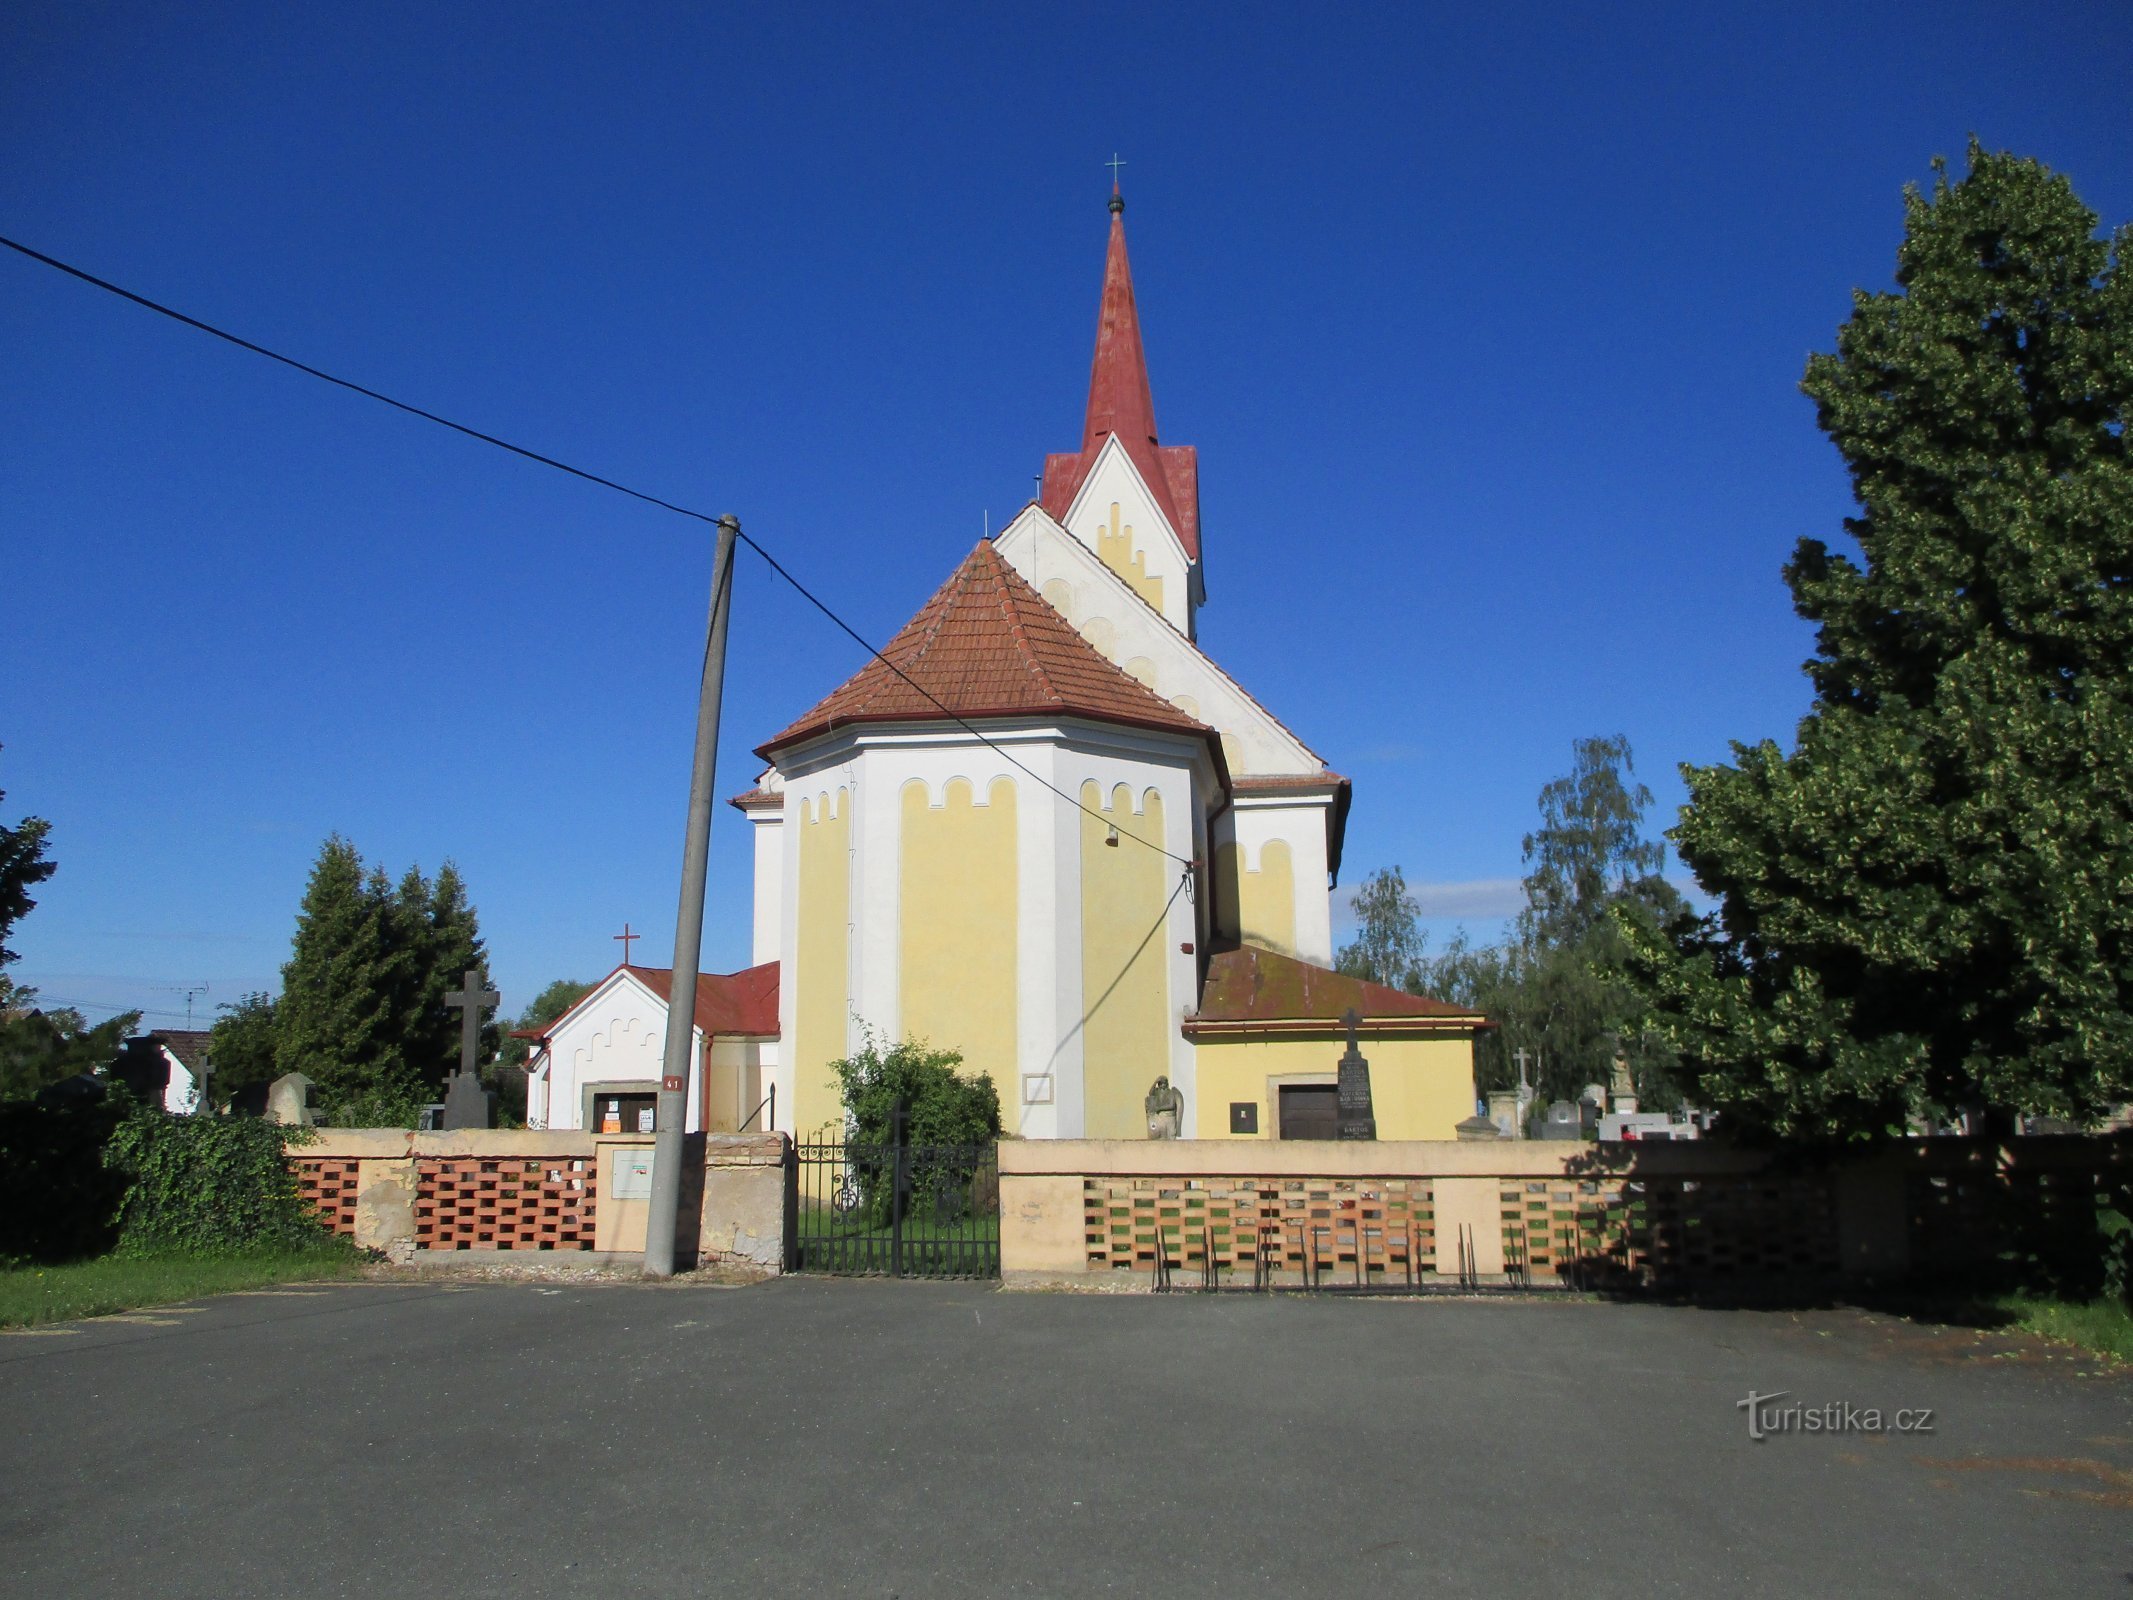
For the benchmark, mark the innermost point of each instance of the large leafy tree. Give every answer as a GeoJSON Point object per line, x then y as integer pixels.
{"type": "Point", "coordinates": [1389, 945]}
{"type": "Point", "coordinates": [23, 865]}
{"type": "Point", "coordinates": [1558, 989]}
{"type": "Point", "coordinates": [241, 1047]}
{"type": "Point", "coordinates": [1927, 905]}
{"type": "Point", "coordinates": [40, 1048]}
{"type": "Point", "coordinates": [1567, 995]}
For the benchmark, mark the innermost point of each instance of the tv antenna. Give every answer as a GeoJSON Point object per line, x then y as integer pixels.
{"type": "Point", "coordinates": [190, 990]}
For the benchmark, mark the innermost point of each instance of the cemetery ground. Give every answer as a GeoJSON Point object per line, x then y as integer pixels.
{"type": "Point", "coordinates": [428, 1435]}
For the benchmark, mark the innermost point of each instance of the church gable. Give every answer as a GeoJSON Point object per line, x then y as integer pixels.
{"type": "Point", "coordinates": [1112, 615]}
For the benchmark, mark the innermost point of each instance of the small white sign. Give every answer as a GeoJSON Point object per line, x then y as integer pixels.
{"type": "Point", "coordinates": [632, 1175]}
{"type": "Point", "coordinates": [1037, 1088]}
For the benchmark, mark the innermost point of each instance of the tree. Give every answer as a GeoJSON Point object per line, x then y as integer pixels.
{"type": "Point", "coordinates": [1569, 997]}
{"type": "Point", "coordinates": [41, 1048]}
{"type": "Point", "coordinates": [1558, 988]}
{"type": "Point", "coordinates": [509, 1073]}
{"type": "Point", "coordinates": [363, 1010]}
{"type": "Point", "coordinates": [1923, 908]}
{"type": "Point", "coordinates": [341, 1019]}
{"type": "Point", "coordinates": [1389, 945]}
{"type": "Point", "coordinates": [241, 1047]}
{"type": "Point", "coordinates": [548, 1005]}
{"type": "Point", "coordinates": [441, 936]}
{"type": "Point", "coordinates": [23, 864]}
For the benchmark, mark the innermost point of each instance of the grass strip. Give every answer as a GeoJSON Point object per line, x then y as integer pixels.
{"type": "Point", "coordinates": [32, 1296]}
{"type": "Point", "coordinates": [2102, 1326]}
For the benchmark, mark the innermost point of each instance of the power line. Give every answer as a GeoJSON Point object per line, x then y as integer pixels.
{"type": "Point", "coordinates": [772, 561]}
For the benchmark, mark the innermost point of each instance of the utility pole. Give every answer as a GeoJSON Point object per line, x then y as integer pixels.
{"type": "Point", "coordinates": [689, 925]}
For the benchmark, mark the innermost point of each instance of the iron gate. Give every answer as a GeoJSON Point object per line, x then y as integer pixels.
{"type": "Point", "coordinates": [898, 1210]}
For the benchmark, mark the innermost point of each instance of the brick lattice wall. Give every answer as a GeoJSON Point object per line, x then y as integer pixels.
{"type": "Point", "coordinates": [329, 1185]}
{"type": "Point", "coordinates": [514, 1203]}
{"type": "Point", "coordinates": [1372, 1228]}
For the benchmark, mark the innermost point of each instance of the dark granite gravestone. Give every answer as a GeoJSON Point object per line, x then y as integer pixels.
{"type": "Point", "coordinates": [466, 1103]}
{"type": "Point", "coordinates": [1357, 1121]}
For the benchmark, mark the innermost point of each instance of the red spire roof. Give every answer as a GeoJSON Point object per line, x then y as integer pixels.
{"type": "Point", "coordinates": [988, 645]}
{"type": "Point", "coordinates": [1121, 405]}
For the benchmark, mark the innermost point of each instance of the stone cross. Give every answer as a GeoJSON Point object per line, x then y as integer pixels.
{"type": "Point", "coordinates": [470, 1001]}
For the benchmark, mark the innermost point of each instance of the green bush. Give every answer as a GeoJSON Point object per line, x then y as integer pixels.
{"type": "Point", "coordinates": [945, 1107]}
{"type": "Point", "coordinates": [58, 1200]}
{"type": "Point", "coordinates": [952, 1118]}
{"type": "Point", "coordinates": [208, 1186]}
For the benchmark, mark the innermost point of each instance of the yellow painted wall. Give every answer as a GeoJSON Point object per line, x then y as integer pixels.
{"type": "Point", "coordinates": [1258, 907]}
{"type": "Point", "coordinates": [1125, 989]}
{"type": "Point", "coordinates": [956, 971]}
{"type": "Point", "coordinates": [1114, 546]}
{"type": "Point", "coordinates": [821, 1004]}
{"type": "Point", "coordinates": [1420, 1088]}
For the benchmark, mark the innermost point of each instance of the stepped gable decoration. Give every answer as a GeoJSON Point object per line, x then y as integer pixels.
{"type": "Point", "coordinates": [1250, 990]}
{"type": "Point", "coordinates": [1122, 406]}
{"type": "Point", "coordinates": [988, 645]}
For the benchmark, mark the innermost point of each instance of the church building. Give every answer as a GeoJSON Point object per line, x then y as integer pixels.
{"type": "Point", "coordinates": [1047, 831]}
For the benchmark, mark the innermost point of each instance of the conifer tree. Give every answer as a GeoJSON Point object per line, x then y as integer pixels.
{"type": "Point", "coordinates": [1925, 906]}
{"type": "Point", "coordinates": [340, 1018]}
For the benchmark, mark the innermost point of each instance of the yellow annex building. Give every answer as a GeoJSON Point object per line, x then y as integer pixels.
{"type": "Point", "coordinates": [1051, 834]}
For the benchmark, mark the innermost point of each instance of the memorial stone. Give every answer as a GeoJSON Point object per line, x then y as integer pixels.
{"type": "Point", "coordinates": [289, 1100]}
{"type": "Point", "coordinates": [1357, 1118]}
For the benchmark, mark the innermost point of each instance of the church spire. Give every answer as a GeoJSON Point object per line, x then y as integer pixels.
{"type": "Point", "coordinates": [1119, 398]}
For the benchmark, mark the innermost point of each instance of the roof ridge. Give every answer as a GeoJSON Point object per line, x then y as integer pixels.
{"type": "Point", "coordinates": [1011, 608]}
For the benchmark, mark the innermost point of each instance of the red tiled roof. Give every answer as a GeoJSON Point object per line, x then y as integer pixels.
{"type": "Point", "coordinates": [189, 1045]}
{"type": "Point", "coordinates": [756, 800]}
{"type": "Point", "coordinates": [727, 1003]}
{"type": "Point", "coordinates": [1121, 406]}
{"type": "Point", "coordinates": [1248, 989]}
{"type": "Point", "coordinates": [1270, 782]}
{"type": "Point", "coordinates": [988, 645]}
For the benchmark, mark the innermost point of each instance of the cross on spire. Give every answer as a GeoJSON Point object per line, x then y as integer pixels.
{"type": "Point", "coordinates": [626, 939]}
{"type": "Point", "coordinates": [1114, 164]}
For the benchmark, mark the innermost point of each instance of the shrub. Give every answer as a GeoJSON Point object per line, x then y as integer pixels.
{"type": "Point", "coordinates": [206, 1186]}
{"type": "Point", "coordinates": [945, 1107]}
{"type": "Point", "coordinates": [58, 1200]}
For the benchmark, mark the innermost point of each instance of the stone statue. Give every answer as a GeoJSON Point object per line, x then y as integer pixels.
{"type": "Point", "coordinates": [1166, 1110]}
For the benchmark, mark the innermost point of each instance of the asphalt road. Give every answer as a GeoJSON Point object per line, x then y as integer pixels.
{"type": "Point", "coordinates": [905, 1439]}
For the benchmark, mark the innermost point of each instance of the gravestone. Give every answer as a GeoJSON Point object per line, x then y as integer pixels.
{"type": "Point", "coordinates": [466, 1103]}
{"type": "Point", "coordinates": [1358, 1120]}
{"type": "Point", "coordinates": [289, 1100]}
{"type": "Point", "coordinates": [1166, 1109]}
{"type": "Point", "coordinates": [1562, 1121]}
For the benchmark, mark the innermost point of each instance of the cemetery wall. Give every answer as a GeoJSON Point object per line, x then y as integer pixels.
{"type": "Point", "coordinates": [1628, 1215]}
{"type": "Point", "coordinates": [430, 1196]}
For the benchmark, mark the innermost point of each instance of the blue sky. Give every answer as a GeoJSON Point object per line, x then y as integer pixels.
{"type": "Point", "coordinates": [1488, 327]}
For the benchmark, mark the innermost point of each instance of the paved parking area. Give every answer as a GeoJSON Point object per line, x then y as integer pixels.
{"type": "Point", "coordinates": [904, 1439]}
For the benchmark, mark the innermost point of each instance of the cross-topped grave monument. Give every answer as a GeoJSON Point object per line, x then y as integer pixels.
{"type": "Point", "coordinates": [466, 1103]}
{"type": "Point", "coordinates": [1357, 1119]}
